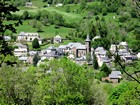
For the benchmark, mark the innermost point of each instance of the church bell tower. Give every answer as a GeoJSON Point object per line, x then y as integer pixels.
{"type": "Point", "coordinates": [88, 44]}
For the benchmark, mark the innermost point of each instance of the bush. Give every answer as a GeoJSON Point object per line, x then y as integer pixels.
{"type": "Point", "coordinates": [104, 11]}
{"type": "Point", "coordinates": [125, 17]}
{"type": "Point", "coordinates": [35, 43]}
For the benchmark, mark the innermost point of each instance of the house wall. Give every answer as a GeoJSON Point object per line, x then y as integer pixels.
{"type": "Point", "coordinates": [57, 40]}
{"type": "Point", "coordinates": [81, 52]}
{"type": "Point", "coordinates": [114, 80]}
{"type": "Point", "coordinates": [27, 38]}
{"type": "Point", "coordinates": [20, 53]}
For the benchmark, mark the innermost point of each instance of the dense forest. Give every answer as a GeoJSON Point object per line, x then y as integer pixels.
{"type": "Point", "coordinates": [61, 81]}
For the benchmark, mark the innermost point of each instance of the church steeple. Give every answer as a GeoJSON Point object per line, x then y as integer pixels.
{"type": "Point", "coordinates": [88, 38]}
{"type": "Point", "coordinates": [88, 44]}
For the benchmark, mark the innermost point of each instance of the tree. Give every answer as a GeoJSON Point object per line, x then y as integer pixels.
{"type": "Point", "coordinates": [39, 27]}
{"type": "Point", "coordinates": [5, 48]}
{"type": "Point", "coordinates": [34, 23]}
{"type": "Point", "coordinates": [125, 93]}
{"type": "Point", "coordinates": [65, 82]}
{"type": "Point", "coordinates": [25, 15]}
{"type": "Point", "coordinates": [104, 11]}
{"type": "Point", "coordinates": [35, 59]}
{"type": "Point", "coordinates": [68, 9]}
{"type": "Point", "coordinates": [35, 43]}
{"type": "Point", "coordinates": [88, 57]}
{"type": "Point", "coordinates": [95, 63]}
{"type": "Point", "coordinates": [105, 69]}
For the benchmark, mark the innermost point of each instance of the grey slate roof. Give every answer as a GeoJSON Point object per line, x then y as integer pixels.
{"type": "Point", "coordinates": [62, 47]}
{"type": "Point", "coordinates": [51, 48]}
{"type": "Point", "coordinates": [23, 58]}
{"type": "Point", "coordinates": [115, 74]}
{"type": "Point", "coordinates": [81, 47]}
{"type": "Point", "coordinates": [22, 33]}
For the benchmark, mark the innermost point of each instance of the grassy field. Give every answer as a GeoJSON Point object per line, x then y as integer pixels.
{"type": "Point", "coordinates": [69, 17]}
{"type": "Point", "coordinates": [48, 31]}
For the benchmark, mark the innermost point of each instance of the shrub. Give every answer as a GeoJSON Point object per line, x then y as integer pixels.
{"type": "Point", "coordinates": [35, 43]}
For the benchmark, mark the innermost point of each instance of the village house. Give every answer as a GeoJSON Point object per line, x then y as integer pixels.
{"type": "Point", "coordinates": [29, 37]}
{"type": "Point", "coordinates": [81, 51]}
{"type": "Point", "coordinates": [102, 57]}
{"type": "Point", "coordinates": [81, 61]}
{"type": "Point", "coordinates": [23, 59]}
{"type": "Point", "coordinates": [50, 53]}
{"type": "Point", "coordinates": [124, 52]}
{"type": "Point", "coordinates": [114, 77]}
{"type": "Point", "coordinates": [123, 45]}
{"type": "Point", "coordinates": [21, 50]}
{"type": "Point", "coordinates": [29, 4]}
{"type": "Point", "coordinates": [99, 51]}
{"type": "Point", "coordinates": [59, 5]}
{"type": "Point", "coordinates": [63, 48]}
{"type": "Point", "coordinates": [113, 48]}
{"type": "Point", "coordinates": [57, 39]}
{"type": "Point", "coordinates": [138, 55]}
{"type": "Point", "coordinates": [7, 38]}
{"type": "Point", "coordinates": [32, 53]}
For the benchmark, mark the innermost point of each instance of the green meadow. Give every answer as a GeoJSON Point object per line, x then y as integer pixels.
{"type": "Point", "coordinates": [47, 31]}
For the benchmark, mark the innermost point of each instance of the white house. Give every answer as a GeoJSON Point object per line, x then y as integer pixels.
{"type": "Point", "coordinates": [113, 48]}
{"type": "Point", "coordinates": [124, 45]}
{"type": "Point", "coordinates": [59, 5]}
{"type": "Point", "coordinates": [57, 39]}
{"type": "Point", "coordinates": [7, 38]}
{"type": "Point", "coordinates": [29, 4]}
{"type": "Point", "coordinates": [21, 50]}
{"type": "Point", "coordinates": [27, 36]}
{"type": "Point", "coordinates": [23, 59]}
{"type": "Point", "coordinates": [99, 51]}
{"type": "Point", "coordinates": [138, 55]}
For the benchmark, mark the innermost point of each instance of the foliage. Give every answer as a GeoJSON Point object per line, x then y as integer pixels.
{"type": "Point", "coordinates": [66, 83]}
{"type": "Point", "coordinates": [88, 57]}
{"type": "Point", "coordinates": [95, 63]}
{"type": "Point", "coordinates": [35, 43]}
{"type": "Point", "coordinates": [16, 89]}
{"type": "Point", "coordinates": [25, 15]}
{"type": "Point", "coordinates": [126, 93]}
{"type": "Point", "coordinates": [36, 58]}
{"type": "Point", "coordinates": [105, 69]}
{"type": "Point", "coordinates": [5, 48]}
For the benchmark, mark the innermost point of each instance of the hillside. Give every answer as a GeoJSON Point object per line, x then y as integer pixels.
{"type": "Point", "coordinates": [69, 52]}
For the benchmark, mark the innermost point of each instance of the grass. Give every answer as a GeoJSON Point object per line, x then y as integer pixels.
{"type": "Point", "coordinates": [69, 17]}
{"type": "Point", "coordinates": [48, 31]}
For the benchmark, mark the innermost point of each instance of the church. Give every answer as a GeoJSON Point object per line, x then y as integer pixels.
{"type": "Point", "coordinates": [83, 50]}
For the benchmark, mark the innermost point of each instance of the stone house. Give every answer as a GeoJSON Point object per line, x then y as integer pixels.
{"type": "Point", "coordinates": [59, 5]}
{"type": "Point", "coordinates": [21, 50]}
{"type": "Point", "coordinates": [115, 76]}
{"type": "Point", "coordinates": [7, 38]}
{"type": "Point", "coordinates": [29, 4]}
{"type": "Point", "coordinates": [29, 37]}
{"type": "Point", "coordinates": [57, 39]}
